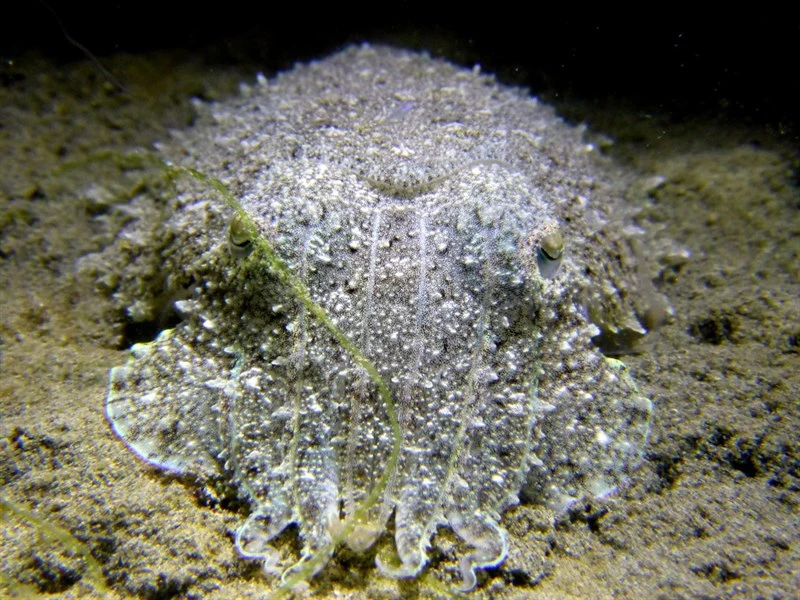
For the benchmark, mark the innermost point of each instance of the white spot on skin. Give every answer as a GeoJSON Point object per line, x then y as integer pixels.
{"type": "Point", "coordinates": [601, 437]}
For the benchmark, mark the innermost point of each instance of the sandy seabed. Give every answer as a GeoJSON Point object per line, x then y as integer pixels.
{"type": "Point", "coordinates": [712, 512]}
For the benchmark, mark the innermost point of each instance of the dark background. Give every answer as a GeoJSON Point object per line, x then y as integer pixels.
{"type": "Point", "coordinates": [724, 64]}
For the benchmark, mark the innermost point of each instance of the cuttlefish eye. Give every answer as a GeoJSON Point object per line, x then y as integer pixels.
{"type": "Point", "coordinates": [240, 238]}
{"type": "Point", "coordinates": [551, 249]}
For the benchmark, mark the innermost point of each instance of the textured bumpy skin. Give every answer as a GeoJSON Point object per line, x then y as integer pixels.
{"type": "Point", "coordinates": [422, 207]}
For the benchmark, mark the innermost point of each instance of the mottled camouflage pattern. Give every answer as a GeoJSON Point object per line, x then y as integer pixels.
{"type": "Point", "coordinates": [412, 198]}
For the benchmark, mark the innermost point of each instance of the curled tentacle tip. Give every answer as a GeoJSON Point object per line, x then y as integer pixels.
{"type": "Point", "coordinates": [404, 570]}
{"type": "Point", "coordinates": [468, 578]}
{"type": "Point", "coordinates": [271, 564]}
